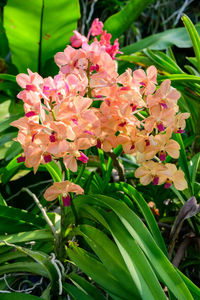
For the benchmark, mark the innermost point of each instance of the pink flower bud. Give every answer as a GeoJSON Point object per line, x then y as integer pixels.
{"type": "Point", "coordinates": [77, 39]}
{"type": "Point", "coordinates": [83, 158]}
{"type": "Point", "coordinates": [96, 28]}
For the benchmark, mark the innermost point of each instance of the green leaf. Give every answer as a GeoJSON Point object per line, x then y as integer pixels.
{"type": "Point", "coordinates": [4, 49]}
{"type": "Point", "coordinates": [9, 226]}
{"type": "Point", "coordinates": [146, 282]}
{"type": "Point", "coordinates": [183, 162]}
{"type": "Point", "coordinates": [166, 272]}
{"type": "Point", "coordinates": [11, 169]}
{"type": "Point", "coordinates": [163, 61]}
{"type": "Point", "coordinates": [185, 78]}
{"type": "Point", "coordinates": [38, 30]}
{"type": "Point", "coordinates": [147, 213]}
{"type": "Point", "coordinates": [110, 256]}
{"type": "Point", "coordinates": [47, 263]}
{"type": "Point", "coordinates": [7, 137]}
{"type": "Point", "coordinates": [86, 262]}
{"type": "Point", "coordinates": [22, 237]}
{"type": "Point", "coordinates": [137, 58]}
{"type": "Point", "coordinates": [6, 123]}
{"type": "Point", "coordinates": [194, 36]}
{"type": "Point", "coordinates": [13, 150]}
{"type": "Point", "coordinates": [86, 286]}
{"type": "Point", "coordinates": [54, 170]}
{"type": "Point", "coordinates": [13, 213]}
{"type": "Point", "coordinates": [161, 41]}
{"type": "Point", "coordinates": [2, 201]}
{"type": "Point", "coordinates": [10, 256]}
{"type": "Point", "coordinates": [30, 267]}
{"type": "Point", "coordinates": [75, 292]}
{"type": "Point", "coordinates": [193, 61]}
{"type": "Point", "coordinates": [195, 291]}
{"type": "Point", "coordinates": [8, 77]}
{"type": "Point", "coordinates": [118, 23]}
{"type": "Point", "coordinates": [18, 296]}
{"type": "Point", "coordinates": [102, 160]}
{"type": "Point", "coordinates": [193, 168]}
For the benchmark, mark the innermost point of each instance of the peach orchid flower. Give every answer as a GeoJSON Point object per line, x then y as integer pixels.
{"type": "Point", "coordinates": [62, 188]}
{"type": "Point", "coordinates": [147, 80]}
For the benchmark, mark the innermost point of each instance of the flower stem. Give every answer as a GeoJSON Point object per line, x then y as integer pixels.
{"type": "Point", "coordinates": [50, 224]}
{"type": "Point", "coordinates": [82, 169]}
{"type": "Point", "coordinates": [74, 212]}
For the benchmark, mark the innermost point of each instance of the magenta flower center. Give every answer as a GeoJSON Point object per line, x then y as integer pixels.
{"type": "Point", "coordinates": [47, 158]}
{"type": "Point", "coordinates": [162, 155]}
{"type": "Point", "coordinates": [66, 200]}
{"type": "Point", "coordinates": [160, 127]}
{"type": "Point", "coordinates": [20, 159]}
{"type": "Point", "coordinates": [155, 180]}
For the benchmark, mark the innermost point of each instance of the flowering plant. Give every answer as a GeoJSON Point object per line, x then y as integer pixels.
{"type": "Point", "coordinates": [88, 108]}
{"type": "Point", "coordinates": [61, 120]}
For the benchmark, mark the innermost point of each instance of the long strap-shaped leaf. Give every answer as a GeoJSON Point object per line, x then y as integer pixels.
{"type": "Point", "coordinates": [161, 41]}
{"type": "Point", "coordinates": [22, 237]}
{"type": "Point", "coordinates": [110, 256]}
{"type": "Point", "coordinates": [29, 267]}
{"type": "Point", "coordinates": [136, 262]}
{"type": "Point", "coordinates": [18, 296]}
{"type": "Point", "coordinates": [194, 36]}
{"type": "Point", "coordinates": [141, 235]}
{"type": "Point", "coordinates": [145, 210]}
{"type": "Point", "coordinates": [86, 286]}
{"type": "Point", "coordinates": [95, 269]}
{"type": "Point", "coordinates": [146, 282]}
{"type": "Point", "coordinates": [76, 293]}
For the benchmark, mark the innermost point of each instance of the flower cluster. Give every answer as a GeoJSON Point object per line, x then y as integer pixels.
{"type": "Point", "coordinates": [61, 121]}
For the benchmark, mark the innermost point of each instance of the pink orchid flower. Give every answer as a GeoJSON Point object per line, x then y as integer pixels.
{"type": "Point", "coordinates": [96, 28]}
